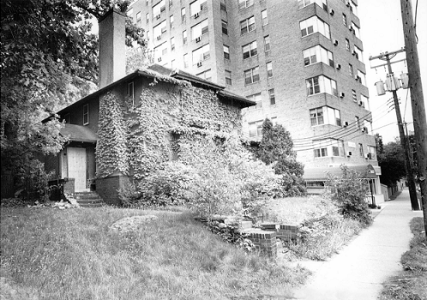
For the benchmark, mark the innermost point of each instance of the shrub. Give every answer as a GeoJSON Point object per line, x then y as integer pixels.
{"type": "Point", "coordinates": [349, 193]}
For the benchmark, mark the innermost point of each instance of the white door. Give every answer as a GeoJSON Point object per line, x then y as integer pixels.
{"type": "Point", "coordinates": [77, 167]}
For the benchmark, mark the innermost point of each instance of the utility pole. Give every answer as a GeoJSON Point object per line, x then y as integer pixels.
{"type": "Point", "coordinates": [417, 101]}
{"type": "Point", "coordinates": [404, 141]}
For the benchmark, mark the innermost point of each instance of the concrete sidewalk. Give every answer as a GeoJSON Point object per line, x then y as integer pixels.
{"type": "Point", "coordinates": [359, 270]}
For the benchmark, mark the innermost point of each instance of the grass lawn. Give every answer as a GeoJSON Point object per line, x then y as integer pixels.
{"type": "Point", "coordinates": [48, 253]}
{"type": "Point", "coordinates": [411, 283]}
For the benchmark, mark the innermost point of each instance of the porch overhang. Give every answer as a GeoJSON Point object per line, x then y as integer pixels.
{"type": "Point", "coordinates": [79, 133]}
{"type": "Point", "coordinates": [366, 171]}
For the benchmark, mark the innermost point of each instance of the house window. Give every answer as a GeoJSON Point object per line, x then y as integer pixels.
{"type": "Point", "coordinates": [226, 52]}
{"type": "Point", "coordinates": [354, 95]}
{"type": "Point", "coordinates": [325, 115]}
{"type": "Point", "coordinates": [321, 152]}
{"type": "Point", "coordinates": [184, 37]}
{"type": "Point", "coordinates": [228, 77]}
{"type": "Point", "coordinates": [269, 69]}
{"type": "Point", "coordinates": [314, 24]}
{"type": "Point", "coordinates": [85, 114]}
{"type": "Point", "coordinates": [200, 29]}
{"type": "Point", "coordinates": [344, 20]}
{"type": "Point", "coordinates": [347, 44]}
{"type": "Point", "coordinates": [138, 17]}
{"type": "Point", "coordinates": [267, 43]}
{"type": "Point", "coordinates": [361, 150]}
{"type": "Point", "coordinates": [249, 50]}
{"type": "Point", "coordinates": [255, 129]}
{"type": "Point", "coordinates": [372, 152]}
{"type": "Point", "coordinates": [183, 15]}
{"type": "Point", "coordinates": [256, 98]}
{"type": "Point", "coordinates": [318, 54]}
{"type": "Point", "coordinates": [321, 84]}
{"type": "Point", "coordinates": [245, 3]}
{"type": "Point", "coordinates": [131, 92]}
{"type": "Point", "coordinates": [251, 75]}
{"type": "Point", "coordinates": [201, 54]}
{"type": "Point", "coordinates": [271, 96]}
{"type": "Point", "coordinates": [206, 75]}
{"type": "Point", "coordinates": [264, 17]}
{"type": "Point", "coordinates": [224, 27]}
{"type": "Point", "coordinates": [247, 25]}
{"type": "Point", "coordinates": [185, 60]}
{"type": "Point", "coordinates": [350, 70]}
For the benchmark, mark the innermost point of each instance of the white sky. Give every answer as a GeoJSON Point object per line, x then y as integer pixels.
{"type": "Point", "coordinates": [381, 31]}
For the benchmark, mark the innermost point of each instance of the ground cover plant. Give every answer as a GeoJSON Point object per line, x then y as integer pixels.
{"type": "Point", "coordinates": [411, 283]}
{"type": "Point", "coordinates": [73, 254]}
{"type": "Point", "coordinates": [323, 230]}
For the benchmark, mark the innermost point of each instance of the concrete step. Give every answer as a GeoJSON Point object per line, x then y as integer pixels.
{"type": "Point", "coordinates": [88, 199]}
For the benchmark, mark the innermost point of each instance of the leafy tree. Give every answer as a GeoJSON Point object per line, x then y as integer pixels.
{"type": "Point", "coordinates": [276, 147]}
{"type": "Point", "coordinates": [392, 162]}
{"type": "Point", "coordinates": [49, 58]}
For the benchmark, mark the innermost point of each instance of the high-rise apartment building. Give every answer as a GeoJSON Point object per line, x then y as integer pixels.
{"type": "Point", "coordinates": [300, 60]}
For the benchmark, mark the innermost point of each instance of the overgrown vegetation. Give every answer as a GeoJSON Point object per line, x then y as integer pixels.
{"type": "Point", "coordinates": [74, 255]}
{"type": "Point", "coordinates": [411, 283]}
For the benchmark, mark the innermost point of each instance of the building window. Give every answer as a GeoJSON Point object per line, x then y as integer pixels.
{"type": "Point", "coordinates": [245, 3]}
{"type": "Point", "coordinates": [354, 95]}
{"type": "Point", "coordinates": [228, 77]}
{"type": "Point", "coordinates": [269, 69]}
{"type": "Point", "coordinates": [356, 30]}
{"type": "Point", "coordinates": [350, 70]}
{"type": "Point", "coordinates": [344, 20]}
{"type": "Point", "coordinates": [222, 5]}
{"type": "Point", "coordinates": [138, 17]}
{"type": "Point", "coordinates": [251, 75]}
{"type": "Point", "coordinates": [247, 25]}
{"type": "Point", "coordinates": [224, 27]}
{"type": "Point", "coordinates": [358, 53]}
{"type": "Point", "coordinates": [321, 84]}
{"type": "Point", "coordinates": [206, 75]}
{"type": "Point", "coordinates": [196, 7]}
{"type": "Point", "coordinates": [357, 120]}
{"type": "Point", "coordinates": [255, 129]}
{"type": "Point", "coordinates": [361, 150]}
{"type": "Point", "coordinates": [249, 50]}
{"type": "Point", "coordinates": [321, 152]}
{"type": "Point", "coordinates": [267, 43]}
{"type": "Point", "coordinates": [183, 15]}
{"type": "Point", "coordinates": [85, 114]}
{"type": "Point", "coordinates": [200, 29]}
{"type": "Point", "coordinates": [201, 54]}
{"type": "Point", "coordinates": [172, 44]}
{"type": "Point", "coordinates": [314, 24]}
{"type": "Point", "coordinates": [148, 18]}
{"type": "Point", "coordinates": [367, 126]}
{"type": "Point", "coordinates": [347, 44]}
{"type": "Point", "coordinates": [325, 115]}
{"type": "Point", "coordinates": [159, 30]}
{"type": "Point", "coordinates": [372, 152]}
{"type": "Point", "coordinates": [365, 101]}
{"type": "Point", "coordinates": [171, 20]}
{"type": "Point", "coordinates": [184, 37]}
{"type": "Point", "coordinates": [256, 98]}
{"type": "Point", "coordinates": [353, 8]}
{"type": "Point", "coordinates": [304, 3]}
{"type": "Point", "coordinates": [361, 77]}
{"type": "Point", "coordinates": [226, 52]}
{"type": "Point", "coordinates": [271, 96]}
{"type": "Point", "coordinates": [264, 17]}
{"type": "Point", "coordinates": [185, 58]}
{"type": "Point", "coordinates": [172, 64]}
{"type": "Point", "coordinates": [318, 54]}
{"type": "Point", "coordinates": [328, 147]}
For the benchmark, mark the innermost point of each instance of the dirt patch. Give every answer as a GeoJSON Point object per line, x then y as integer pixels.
{"type": "Point", "coordinates": [132, 223]}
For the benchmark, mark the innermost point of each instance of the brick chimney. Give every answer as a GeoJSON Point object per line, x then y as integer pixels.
{"type": "Point", "coordinates": [112, 57]}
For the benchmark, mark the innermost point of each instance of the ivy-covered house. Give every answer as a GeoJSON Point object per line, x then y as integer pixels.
{"type": "Point", "coordinates": [131, 123]}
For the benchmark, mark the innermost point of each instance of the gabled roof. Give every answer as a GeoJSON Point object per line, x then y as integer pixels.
{"type": "Point", "coordinates": [156, 71]}
{"type": "Point", "coordinates": [79, 133]}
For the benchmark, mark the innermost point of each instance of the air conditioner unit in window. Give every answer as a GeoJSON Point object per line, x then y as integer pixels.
{"type": "Point", "coordinates": [365, 130]}
{"type": "Point", "coordinates": [159, 37]}
{"type": "Point", "coordinates": [198, 39]}
{"type": "Point", "coordinates": [331, 12]}
{"type": "Point", "coordinates": [335, 42]}
{"type": "Point", "coordinates": [345, 124]}
{"type": "Point", "coordinates": [354, 52]}
{"type": "Point", "coordinates": [159, 59]}
{"type": "Point", "coordinates": [342, 95]}
{"type": "Point", "coordinates": [199, 64]}
{"type": "Point", "coordinates": [360, 103]}
{"type": "Point", "coordinates": [348, 3]}
{"type": "Point", "coordinates": [338, 66]}
{"type": "Point", "coordinates": [349, 153]}
{"type": "Point", "coordinates": [162, 8]}
{"type": "Point", "coordinates": [368, 156]}
{"type": "Point", "coordinates": [158, 17]}
{"type": "Point", "coordinates": [196, 15]}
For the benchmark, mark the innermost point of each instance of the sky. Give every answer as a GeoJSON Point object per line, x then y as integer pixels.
{"type": "Point", "coordinates": [381, 31]}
